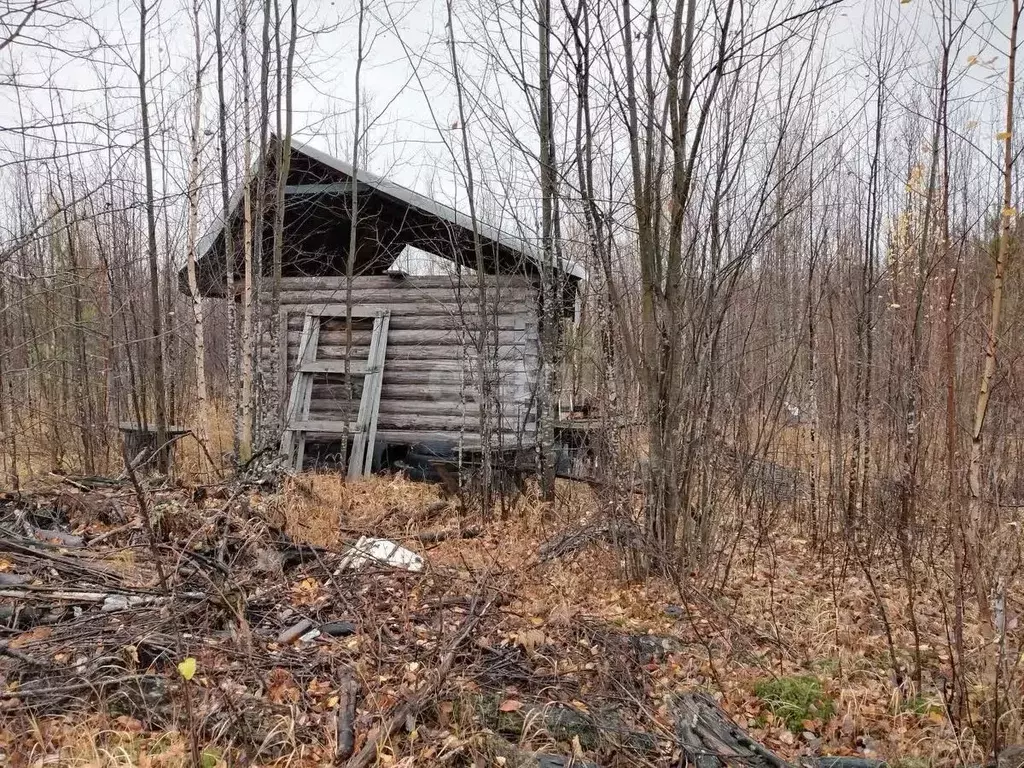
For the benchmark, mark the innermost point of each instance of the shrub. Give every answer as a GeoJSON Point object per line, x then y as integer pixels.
{"type": "Point", "coordinates": [795, 699]}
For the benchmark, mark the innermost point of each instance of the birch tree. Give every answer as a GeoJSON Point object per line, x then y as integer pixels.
{"type": "Point", "coordinates": [194, 179]}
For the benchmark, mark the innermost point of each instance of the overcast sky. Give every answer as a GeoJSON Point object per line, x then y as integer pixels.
{"type": "Point", "coordinates": [75, 67]}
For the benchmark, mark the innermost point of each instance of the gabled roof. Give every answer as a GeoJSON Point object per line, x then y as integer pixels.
{"type": "Point", "coordinates": [503, 248]}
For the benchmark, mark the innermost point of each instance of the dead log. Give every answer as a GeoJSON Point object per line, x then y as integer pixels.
{"type": "Point", "coordinates": [345, 742]}
{"type": "Point", "coordinates": [294, 632]}
{"type": "Point", "coordinates": [710, 739]}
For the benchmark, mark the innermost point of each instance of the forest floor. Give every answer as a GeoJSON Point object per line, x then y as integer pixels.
{"type": "Point", "coordinates": [489, 655]}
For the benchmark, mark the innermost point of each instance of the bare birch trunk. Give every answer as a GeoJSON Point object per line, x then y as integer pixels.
{"type": "Point", "coordinates": [976, 524]}
{"type": "Point", "coordinates": [353, 217]}
{"type": "Point", "coordinates": [246, 343]}
{"type": "Point", "coordinates": [283, 164]}
{"type": "Point", "coordinates": [199, 337]}
{"type": "Point", "coordinates": [483, 346]}
{"type": "Point", "coordinates": [547, 404]}
{"type": "Point", "coordinates": [229, 245]}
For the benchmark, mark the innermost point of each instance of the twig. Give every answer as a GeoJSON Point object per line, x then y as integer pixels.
{"type": "Point", "coordinates": [6, 650]}
{"type": "Point", "coordinates": [155, 551]}
{"type": "Point", "coordinates": [434, 537]}
{"type": "Point", "coordinates": [30, 591]}
{"type": "Point", "coordinates": [112, 532]}
{"type": "Point", "coordinates": [412, 705]}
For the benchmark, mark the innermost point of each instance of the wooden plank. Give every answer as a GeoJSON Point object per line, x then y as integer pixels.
{"type": "Point", "coordinates": [449, 353]}
{"type": "Point", "coordinates": [442, 422]}
{"type": "Point", "coordinates": [453, 410]}
{"type": "Point", "coordinates": [507, 321]}
{"type": "Point", "coordinates": [329, 426]}
{"type": "Point", "coordinates": [370, 399]}
{"type": "Point", "coordinates": [451, 337]}
{"type": "Point", "coordinates": [466, 301]}
{"type": "Point", "coordinates": [411, 308]}
{"type": "Point", "coordinates": [469, 438]}
{"type": "Point", "coordinates": [379, 356]}
{"type": "Point", "coordinates": [308, 354]}
{"type": "Point", "coordinates": [339, 311]}
{"type": "Point", "coordinates": [413, 281]}
{"type": "Point", "coordinates": [297, 391]}
{"type": "Point", "coordinates": [355, 368]}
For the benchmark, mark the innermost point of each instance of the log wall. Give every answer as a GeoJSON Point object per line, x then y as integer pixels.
{"type": "Point", "coordinates": [431, 375]}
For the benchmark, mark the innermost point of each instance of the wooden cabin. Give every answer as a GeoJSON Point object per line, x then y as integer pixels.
{"type": "Point", "coordinates": [420, 316]}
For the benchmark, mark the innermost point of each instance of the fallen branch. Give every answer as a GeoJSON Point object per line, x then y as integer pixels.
{"type": "Point", "coordinates": [434, 537]}
{"type": "Point", "coordinates": [345, 742]}
{"type": "Point", "coordinates": [413, 705]}
{"type": "Point", "coordinates": [29, 592]}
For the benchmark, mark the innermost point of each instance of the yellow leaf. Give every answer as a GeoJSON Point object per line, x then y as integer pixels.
{"type": "Point", "coordinates": [904, 2]}
{"type": "Point", "coordinates": [187, 668]}
{"type": "Point", "coordinates": [972, 60]}
{"type": "Point", "coordinates": [1003, 135]}
{"type": "Point", "coordinates": [332, 702]}
{"type": "Point", "coordinates": [1009, 211]}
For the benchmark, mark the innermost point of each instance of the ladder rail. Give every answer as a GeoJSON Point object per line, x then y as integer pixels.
{"type": "Point", "coordinates": [298, 387]}
{"type": "Point", "coordinates": [369, 402]}
{"type": "Point", "coordinates": [378, 385]}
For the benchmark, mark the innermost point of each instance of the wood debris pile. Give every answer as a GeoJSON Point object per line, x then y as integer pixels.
{"type": "Point", "coordinates": [273, 650]}
{"type": "Point", "coordinates": [266, 650]}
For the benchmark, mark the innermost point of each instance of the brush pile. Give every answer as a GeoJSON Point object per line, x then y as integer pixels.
{"type": "Point", "coordinates": [218, 626]}
{"type": "Point", "coordinates": [309, 621]}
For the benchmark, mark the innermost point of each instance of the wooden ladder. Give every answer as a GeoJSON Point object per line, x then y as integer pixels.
{"type": "Point", "coordinates": [363, 431]}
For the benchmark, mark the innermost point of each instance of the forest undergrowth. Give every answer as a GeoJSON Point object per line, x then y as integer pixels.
{"type": "Point", "coordinates": [795, 641]}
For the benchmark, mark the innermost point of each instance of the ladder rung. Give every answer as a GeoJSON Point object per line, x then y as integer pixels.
{"type": "Point", "coordinates": [316, 425]}
{"type": "Point", "coordinates": [356, 368]}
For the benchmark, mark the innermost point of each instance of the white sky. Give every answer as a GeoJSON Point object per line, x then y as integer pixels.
{"type": "Point", "coordinates": [61, 68]}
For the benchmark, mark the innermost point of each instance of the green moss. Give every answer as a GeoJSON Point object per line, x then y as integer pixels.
{"type": "Point", "coordinates": [795, 699]}
{"type": "Point", "coordinates": [920, 705]}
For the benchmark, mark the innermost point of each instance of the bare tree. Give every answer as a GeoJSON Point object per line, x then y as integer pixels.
{"type": "Point", "coordinates": [160, 414]}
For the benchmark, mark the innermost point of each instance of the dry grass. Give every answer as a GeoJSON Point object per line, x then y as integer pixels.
{"type": "Point", "coordinates": [98, 742]}
{"type": "Point", "coordinates": [782, 613]}
{"type": "Point", "coordinates": [191, 463]}
{"type": "Point", "coordinates": [322, 508]}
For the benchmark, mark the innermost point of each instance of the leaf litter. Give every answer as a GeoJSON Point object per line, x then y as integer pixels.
{"type": "Point", "coordinates": [491, 653]}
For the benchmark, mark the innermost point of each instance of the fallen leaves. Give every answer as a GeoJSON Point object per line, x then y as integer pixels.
{"type": "Point", "coordinates": [510, 705]}
{"type": "Point", "coordinates": [187, 668]}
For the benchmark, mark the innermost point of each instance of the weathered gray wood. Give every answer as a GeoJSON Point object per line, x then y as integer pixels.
{"type": "Point", "coordinates": [337, 311]}
{"type": "Point", "coordinates": [379, 354]}
{"type": "Point", "coordinates": [327, 426]}
{"type": "Point", "coordinates": [431, 354]}
{"type": "Point", "coordinates": [506, 321]}
{"type": "Point", "coordinates": [468, 301]}
{"type": "Point", "coordinates": [307, 388]}
{"type": "Point", "coordinates": [370, 399]}
{"type": "Point", "coordinates": [337, 365]}
{"type": "Point", "coordinates": [442, 337]}
{"type": "Point", "coordinates": [297, 390]}
{"type": "Point", "coordinates": [324, 409]}
{"type": "Point", "coordinates": [412, 281]}
{"type": "Point", "coordinates": [451, 353]}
